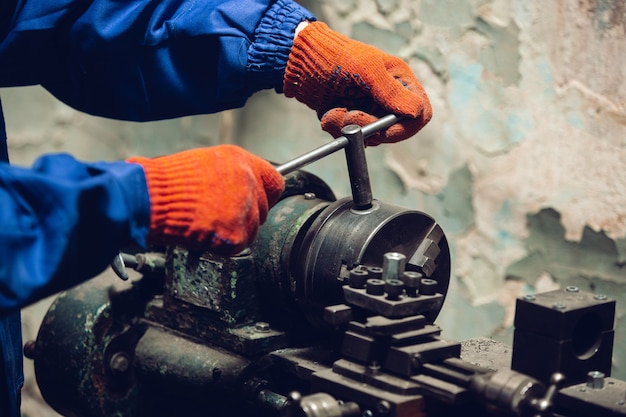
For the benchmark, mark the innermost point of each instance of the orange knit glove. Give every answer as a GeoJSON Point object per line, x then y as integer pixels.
{"type": "Point", "coordinates": [209, 198]}
{"type": "Point", "coordinates": [349, 82]}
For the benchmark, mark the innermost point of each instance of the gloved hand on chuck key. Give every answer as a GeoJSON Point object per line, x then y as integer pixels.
{"type": "Point", "coordinates": [349, 82]}
{"type": "Point", "coordinates": [209, 198]}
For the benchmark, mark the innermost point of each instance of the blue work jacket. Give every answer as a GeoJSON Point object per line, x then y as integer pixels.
{"type": "Point", "coordinates": [63, 220]}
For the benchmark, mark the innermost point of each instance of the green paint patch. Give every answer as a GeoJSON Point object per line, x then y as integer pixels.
{"type": "Point", "coordinates": [595, 256]}
{"type": "Point", "coordinates": [501, 57]}
{"type": "Point", "coordinates": [455, 202]}
{"type": "Point", "coordinates": [387, 41]}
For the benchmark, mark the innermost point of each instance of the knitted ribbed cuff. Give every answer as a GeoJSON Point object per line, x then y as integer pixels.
{"type": "Point", "coordinates": [174, 185]}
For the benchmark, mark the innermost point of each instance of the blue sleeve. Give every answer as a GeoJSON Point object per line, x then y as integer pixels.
{"type": "Point", "coordinates": [62, 222]}
{"type": "Point", "coordinates": [144, 59]}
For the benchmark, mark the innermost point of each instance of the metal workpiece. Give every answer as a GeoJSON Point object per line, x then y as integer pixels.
{"type": "Point", "coordinates": [393, 265]}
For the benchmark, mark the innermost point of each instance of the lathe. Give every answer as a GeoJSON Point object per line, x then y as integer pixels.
{"type": "Point", "coordinates": [331, 312]}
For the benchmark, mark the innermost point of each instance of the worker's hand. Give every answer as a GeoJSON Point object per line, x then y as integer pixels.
{"type": "Point", "coordinates": [349, 82]}
{"type": "Point", "coordinates": [209, 198]}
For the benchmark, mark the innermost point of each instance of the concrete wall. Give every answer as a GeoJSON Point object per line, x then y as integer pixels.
{"type": "Point", "coordinates": [522, 164]}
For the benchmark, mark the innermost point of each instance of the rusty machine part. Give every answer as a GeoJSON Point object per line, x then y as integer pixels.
{"type": "Point", "coordinates": [330, 312]}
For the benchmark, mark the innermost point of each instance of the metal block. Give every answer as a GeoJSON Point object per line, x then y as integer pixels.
{"type": "Point", "coordinates": [567, 331]}
{"type": "Point", "coordinates": [409, 359]}
{"type": "Point", "coordinates": [361, 348]}
{"type": "Point", "coordinates": [380, 325]}
{"type": "Point", "coordinates": [415, 336]}
{"type": "Point", "coordinates": [337, 314]}
{"type": "Point", "coordinates": [402, 307]}
{"type": "Point", "coordinates": [223, 286]}
{"type": "Point", "coordinates": [563, 314]}
{"type": "Point", "coordinates": [538, 356]}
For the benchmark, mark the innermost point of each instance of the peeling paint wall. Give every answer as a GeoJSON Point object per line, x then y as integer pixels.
{"type": "Point", "coordinates": [522, 164]}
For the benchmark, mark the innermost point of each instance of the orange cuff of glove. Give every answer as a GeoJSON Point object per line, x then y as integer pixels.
{"type": "Point", "coordinates": [209, 198]}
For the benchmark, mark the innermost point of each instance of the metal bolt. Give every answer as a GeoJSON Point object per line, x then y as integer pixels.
{"type": "Point", "coordinates": [412, 281]}
{"type": "Point", "coordinates": [357, 278]}
{"type": "Point", "coordinates": [595, 380]}
{"type": "Point", "coordinates": [374, 368]}
{"type": "Point", "coordinates": [571, 288]}
{"type": "Point", "coordinates": [383, 407]}
{"type": "Point", "coordinates": [119, 363]}
{"type": "Point", "coordinates": [428, 286]}
{"type": "Point", "coordinates": [295, 396]}
{"type": "Point", "coordinates": [310, 196]}
{"type": "Point", "coordinates": [375, 286]}
{"type": "Point", "coordinates": [394, 289]}
{"type": "Point", "coordinates": [375, 272]}
{"type": "Point", "coordinates": [600, 297]}
{"type": "Point", "coordinates": [261, 326]}
{"type": "Point", "coordinates": [368, 413]}
{"type": "Point", "coordinates": [30, 349]}
{"type": "Point", "coordinates": [393, 265]}
{"type": "Point", "coordinates": [417, 361]}
{"type": "Point", "coordinates": [559, 306]}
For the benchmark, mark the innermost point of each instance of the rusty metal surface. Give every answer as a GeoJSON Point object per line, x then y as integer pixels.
{"type": "Point", "coordinates": [77, 344]}
{"type": "Point", "coordinates": [487, 353]}
{"type": "Point", "coordinates": [185, 367]}
{"type": "Point", "coordinates": [222, 285]}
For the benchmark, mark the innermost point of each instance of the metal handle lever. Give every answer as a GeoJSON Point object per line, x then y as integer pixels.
{"type": "Point", "coordinates": [353, 141]}
{"type": "Point", "coordinates": [357, 167]}
{"type": "Point", "coordinates": [337, 144]}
